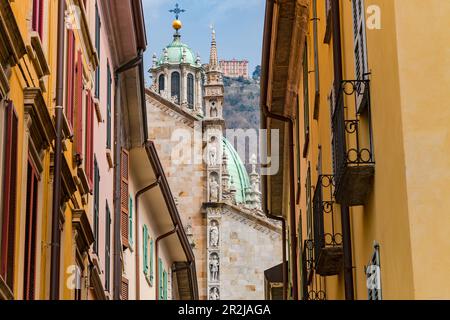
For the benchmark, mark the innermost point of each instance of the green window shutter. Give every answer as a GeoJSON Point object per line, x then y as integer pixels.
{"type": "Point", "coordinates": [130, 222]}
{"type": "Point", "coordinates": [160, 274]}
{"type": "Point", "coordinates": [151, 262]}
{"type": "Point", "coordinates": [165, 285]}
{"type": "Point", "coordinates": [145, 255]}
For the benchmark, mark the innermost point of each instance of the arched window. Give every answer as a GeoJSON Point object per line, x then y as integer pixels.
{"type": "Point", "coordinates": [175, 84]}
{"type": "Point", "coordinates": [161, 83]}
{"type": "Point", "coordinates": [190, 90]}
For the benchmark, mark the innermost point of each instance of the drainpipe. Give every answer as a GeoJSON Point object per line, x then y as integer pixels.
{"type": "Point", "coordinates": [174, 230]}
{"type": "Point", "coordinates": [56, 204]}
{"type": "Point", "coordinates": [292, 221]}
{"type": "Point", "coordinates": [117, 176]}
{"type": "Point", "coordinates": [345, 212]}
{"type": "Point", "coordinates": [136, 203]}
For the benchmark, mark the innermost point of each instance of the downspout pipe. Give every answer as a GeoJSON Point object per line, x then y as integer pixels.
{"type": "Point", "coordinates": [56, 201]}
{"type": "Point", "coordinates": [139, 194]}
{"type": "Point", "coordinates": [345, 212]}
{"type": "Point", "coordinates": [292, 219]}
{"type": "Point", "coordinates": [117, 164]}
{"type": "Point", "coordinates": [161, 237]}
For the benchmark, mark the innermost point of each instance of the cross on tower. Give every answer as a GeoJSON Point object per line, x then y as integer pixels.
{"type": "Point", "coordinates": [177, 11]}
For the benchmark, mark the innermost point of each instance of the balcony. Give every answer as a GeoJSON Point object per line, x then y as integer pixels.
{"type": "Point", "coordinates": [328, 250]}
{"type": "Point", "coordinates": [313, 284]}
{"type": "Point", "coordinates": [353, 157]}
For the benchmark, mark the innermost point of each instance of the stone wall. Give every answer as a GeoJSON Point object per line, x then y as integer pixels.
{"type": "Point", "coordinates": [247, 250]}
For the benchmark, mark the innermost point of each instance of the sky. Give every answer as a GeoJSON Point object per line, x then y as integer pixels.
{"type": "Point", "coordinates": [238, 24]}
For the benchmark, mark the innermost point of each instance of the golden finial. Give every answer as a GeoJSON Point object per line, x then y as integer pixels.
{"type": "Point", "coordinates": [176, 24]}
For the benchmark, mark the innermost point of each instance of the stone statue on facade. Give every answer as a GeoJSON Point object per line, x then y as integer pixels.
{"type": "Point", "coordinates": [214, 294]}
{"type": "Point", "coordinates": [214, 235]}
{"type": "Point", "coordinates": [213, 190]}
{"type": "Point", "coordinates": [214, 267]}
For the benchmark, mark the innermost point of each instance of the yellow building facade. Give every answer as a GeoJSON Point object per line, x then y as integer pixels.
{"type": "Point", "coordinates": [364, 96]}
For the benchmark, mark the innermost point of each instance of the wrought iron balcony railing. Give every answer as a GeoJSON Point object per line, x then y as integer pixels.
{"type": "Point", "coordinates": [313, 284]}
{"type": "Point", "coordinates": [328, 250]}
{"type": "Point", "coordinates": [353, 157]}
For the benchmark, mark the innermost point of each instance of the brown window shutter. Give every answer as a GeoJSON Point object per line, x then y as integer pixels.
{"type": "Point", "coordinates": [79, 108]}
{"type": "Point", "coordinates": [124, 289]}
{"type": "Point", "coordinates": [9, 198]}
{"type": "Point", "coordinates": [89, 161]}
{"type": "Point", "coordinates": [124, 194]}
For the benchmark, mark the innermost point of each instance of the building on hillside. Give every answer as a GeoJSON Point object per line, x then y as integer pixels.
{"type": "Point", "coordinates": [234, 68]}
{"type": "Point", "coordinates": [218, 200]}
{"type": "Point", "coordinates": [362, 126]}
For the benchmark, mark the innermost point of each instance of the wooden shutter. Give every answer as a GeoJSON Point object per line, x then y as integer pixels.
{"type": "Point", "coordinates": [97, 47]}
{"type": "Point", "coordinates": [165, 284]}
{"type": "Point", "coordinates": [30, 234]}
{"type": "Point", "coordinates": [70, 75]}
{"type": "Point", "coordinates": [124, 289]}
{"type": "Point", "coordinates": [151, 261]}
{"type": "Point", "coordinates": [38, 17]}
{"type": "Point", "coordinates": [96, 203]}
{"type": "Point", "coordinates": [145, 249]}
{"type": "Point", "coordinates": [306, 98]}
{"type": "Point", "coordinates": [9, 197]}
{"type": "Point", "coordinates": [89, 161]}
{"type": "Point", "coordinates": [108, 248]}
{"type": "Point", "coordinates": [79, 107]}
{"type": "Point", "coordinates": [124, 197]}
{"type": "Point", "coordinates": [360, 48]}
{"type": "Point", "coordinates": [161, 280]}
{"type": "Point", "coordinates": [130, 221]}
{"type": "Point", "coordinates": [108, 111]}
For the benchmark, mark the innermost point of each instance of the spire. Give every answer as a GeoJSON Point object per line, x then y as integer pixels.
{"type": "Point", "coordinates": [213, 60]}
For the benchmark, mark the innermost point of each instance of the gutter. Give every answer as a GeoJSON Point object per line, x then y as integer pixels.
{"type": "Point", "coordinates": [136, 203]}
{"type": "Point", "coordinates": [56, 201]}
{"type": "Point", "coordinates": [345, 212]}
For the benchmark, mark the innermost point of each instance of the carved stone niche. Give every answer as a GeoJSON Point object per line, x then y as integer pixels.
{"type": "Point", "coordinates": [214, 187]}
{"type": "Point", "coordinates": [213, 234]}
{"type": "Point", "coordinates": [214, 267]}
{"type": "Point", "coordinates": [214, 293]}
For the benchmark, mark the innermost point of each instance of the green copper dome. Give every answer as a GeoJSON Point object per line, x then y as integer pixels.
{"type": "Point", "coordinates": [238, 172]}
{"type": "Point", "coordinates": [175, 53]}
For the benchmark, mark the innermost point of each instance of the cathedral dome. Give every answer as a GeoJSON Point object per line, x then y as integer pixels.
{"type": "Point", "coordinates": [175, 53]}
{"type": "Point", "coordinates": [237, 171]}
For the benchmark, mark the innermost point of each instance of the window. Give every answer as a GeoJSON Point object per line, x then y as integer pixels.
{"type": "Point", "coordinates": [38, 17]}
{"type": "Point", "coordinates": [8, 221]}
{"type": "Point", "coordinates": [151, 261]}
{"type": "Point", "coordinates": [96, 203]}
{"type": "Point", "coordinates": [30, 234]}
{"type": "Point", "coordinates": [78, 108]}
{"type": "Point", "coordinates": [108, 248]}
{"type": "Point", "coordinates": [175, 86]}
{"type": "Point", "coordinates": [124, 194]}
{"type": "Point", "coordinates": [70, 94]}
{"type": "Point", "coordinates": [108, 111]}
{"type": "Point", "coordinates": [145, 249]}
{"type": "Point", "coordinates": [89, 162]}
{"type": "Point", "coordinates": [309, 211]}
{"type": "Point", "coordinates": [161, 273]}
{"type": "Point", "coordinates": [124, 289]}
{"type": "Point", "coordinates": [306, 100]}
{"type": "Point", "coordinates": [360, 49]}
{"type": "Point", "coordinates": [190, 90]}
{"type": "Point", "coordinates": [161, 83]}
{"type": "Point", "coordinates": [316, 63]}
{"type": "Point", "coordinates": [130, 222]}
{"type": "Point", "coordinates": [97, 47]}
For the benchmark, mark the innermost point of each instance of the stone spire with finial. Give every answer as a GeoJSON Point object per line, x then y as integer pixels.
{"type": "Point", "coordinates": [213, 59]}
